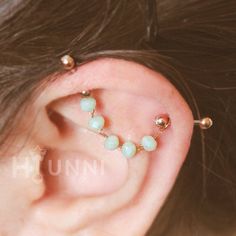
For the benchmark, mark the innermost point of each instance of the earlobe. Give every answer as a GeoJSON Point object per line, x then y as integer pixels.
{"type": "Point", "coordinates": [132, 100]}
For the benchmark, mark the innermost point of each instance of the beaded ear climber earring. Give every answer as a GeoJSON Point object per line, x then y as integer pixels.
{"type": "Point", "coordinates": [96, 123]}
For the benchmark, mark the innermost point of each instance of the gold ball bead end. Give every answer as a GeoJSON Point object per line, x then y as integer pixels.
{"type": "Point", "coordinates": [85, 93]}
{"type": "Point", "coordinates": [162, 122]}
{"type": "Point", "coordinates": [68, 62]}
{"type": "Point", "coordinates": [206, 123]}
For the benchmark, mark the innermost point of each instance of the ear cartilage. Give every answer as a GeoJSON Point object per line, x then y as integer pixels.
{"type": "Point", "coordinates": [112, 141]}
{"type": "Point", "coordinates": [68, 62]}
{"type": "Point", "coordinates": [204, 123]}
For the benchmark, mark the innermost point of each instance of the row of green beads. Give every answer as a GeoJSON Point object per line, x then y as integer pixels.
{"type": "Point", "coordinates": [129, 149]}
{"type": "Point", "coordinates": [88, 104]}
{"type": "Point", "coordinates": [96, 123]}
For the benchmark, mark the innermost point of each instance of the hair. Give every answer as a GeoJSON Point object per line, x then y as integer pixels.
{"type": "Point", "coordinates": [191, 42]}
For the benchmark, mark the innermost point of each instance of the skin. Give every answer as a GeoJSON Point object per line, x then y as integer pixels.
{"type": "Point", "coordinates": [127, 193]}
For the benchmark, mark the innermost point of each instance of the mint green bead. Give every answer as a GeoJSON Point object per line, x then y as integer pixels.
{"type": "Point", "coordinates": [149, 143]}
{"type": "Point", "coordinates": [96, 123]}
{"type": "Point", "coordinates": [112, 142]}
{"type": "Point", "coordinates": [88, 104]}
{"type": "Point", "coordinates": [128, 149]}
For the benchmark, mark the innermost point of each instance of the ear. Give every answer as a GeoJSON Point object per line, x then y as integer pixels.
{"type": "Point", "coordinates": [115, 190]}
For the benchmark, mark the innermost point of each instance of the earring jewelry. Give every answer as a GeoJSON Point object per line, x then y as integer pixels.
{"type": "Point", "coordinates": [96, 123]}
{"type": "Point", "coordinates": [129, 149]}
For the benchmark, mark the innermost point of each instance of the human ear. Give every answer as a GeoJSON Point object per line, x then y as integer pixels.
{"type": "Point", "coordinates": [123, 195]}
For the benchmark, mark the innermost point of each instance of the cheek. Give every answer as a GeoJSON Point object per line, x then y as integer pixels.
{"type": "Point", "coordinates": [19, 188]}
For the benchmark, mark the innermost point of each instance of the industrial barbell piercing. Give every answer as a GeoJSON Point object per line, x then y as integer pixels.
{"type": "Point", "coordinates": [162, 122]}
{"type": "Point", "coordinates": [112, 142]}
{"type": "Point", "coordinates": [204, 123]}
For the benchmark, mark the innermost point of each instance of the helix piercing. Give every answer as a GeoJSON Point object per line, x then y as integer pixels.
{"type": "Point", "coordinates": [68, 62]}
{"type": "Point", "coordinates": [204, 123]}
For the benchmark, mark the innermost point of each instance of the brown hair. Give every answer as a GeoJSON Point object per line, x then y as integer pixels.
{"type": "Point", "coordinates": [191, 42]}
